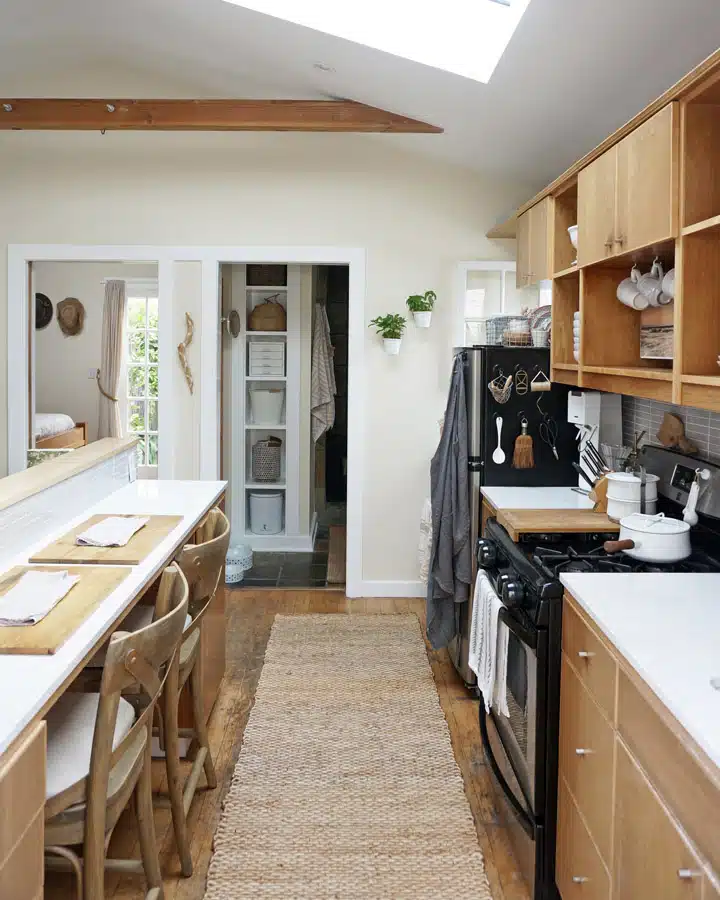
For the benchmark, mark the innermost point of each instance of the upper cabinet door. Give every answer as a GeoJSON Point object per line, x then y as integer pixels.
{"type": "Point", "coordinates": [540, 268]}
{"type": "Point", "coordinates": [597, 190]}
{"type": "Point", "coordinates": [522, 270]}
{"type": "Point", "coordinates": [647, 173]}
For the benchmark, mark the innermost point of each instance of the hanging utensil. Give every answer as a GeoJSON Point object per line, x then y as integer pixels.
{"type": "Point", "coordinates": [498, 456]}
{"type": "Point", "coordinates": [549, 433]}
{"type": "Point", "coordinates": [523, 456]}
{"type": "Point", "coordinates": [540, 381]}
{"type": "Point", "coordinates": [501, 387]}
{"type": "Point", "coordinates": [522, 385]}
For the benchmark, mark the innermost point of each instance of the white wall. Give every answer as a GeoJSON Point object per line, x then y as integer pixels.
{"type": "Point", "coordinates": [62, 363]}
{"type": "Point", "coordinates": [415, 219]}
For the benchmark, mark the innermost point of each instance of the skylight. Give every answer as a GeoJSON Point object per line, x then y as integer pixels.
{"type": "Point", "coordinates": [466, 37]}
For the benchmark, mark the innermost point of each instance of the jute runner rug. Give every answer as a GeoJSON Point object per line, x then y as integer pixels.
{"type": "Point", "coordinates": [346, 786]}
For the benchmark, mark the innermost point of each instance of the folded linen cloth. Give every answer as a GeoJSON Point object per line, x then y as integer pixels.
{"type": "Point", "coordinates": [488, 645]}
{"type": "Point", "coordinates": [115, 531]}
{"type": "Point", "coordinates": [34, 595]}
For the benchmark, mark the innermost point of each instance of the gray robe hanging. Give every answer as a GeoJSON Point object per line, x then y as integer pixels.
{"type": "Point", "coordinates": [450, 559]}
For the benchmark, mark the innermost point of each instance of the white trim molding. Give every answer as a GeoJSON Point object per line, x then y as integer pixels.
{"type": "Point", "coordinates": [20, 255]}
{"type": "Point", "coordinates": [392, 589]}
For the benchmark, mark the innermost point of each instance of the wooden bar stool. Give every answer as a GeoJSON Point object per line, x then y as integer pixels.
{"type": "Point", "coordinates": [202, 564]}
{"type": "Point", "coordinates": [98, 753]}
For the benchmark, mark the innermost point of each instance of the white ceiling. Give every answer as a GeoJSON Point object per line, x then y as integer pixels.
{"type": "Point", "coordinates": [573, 72]}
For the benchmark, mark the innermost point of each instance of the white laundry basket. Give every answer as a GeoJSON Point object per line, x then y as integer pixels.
{"type": "Point", "coordinates": [266, 512]}
{"type": "Point", "coordinates": [266, 405]}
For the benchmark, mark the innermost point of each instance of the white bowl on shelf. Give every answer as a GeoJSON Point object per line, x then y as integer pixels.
{"type": "Point", "coordinates": [576, 355]}
{"type": "Point", "coordinates": [573, 232]}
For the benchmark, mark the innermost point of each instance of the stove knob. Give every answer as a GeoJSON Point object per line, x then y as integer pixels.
{"type": "Point", "coordinates": [513, 593]}
{"type": "Point", "coordinates": [486, 553]}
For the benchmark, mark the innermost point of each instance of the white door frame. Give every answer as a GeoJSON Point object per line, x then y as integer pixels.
{"type": "Point", "coordinates": [20, 255]}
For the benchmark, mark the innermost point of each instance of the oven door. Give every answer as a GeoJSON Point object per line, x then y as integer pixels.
{"type": "Point", "coordinates": [513, 747]}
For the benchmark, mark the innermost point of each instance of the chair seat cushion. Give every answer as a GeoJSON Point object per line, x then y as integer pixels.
{"type": "Point", "coordinates": [70, 730]}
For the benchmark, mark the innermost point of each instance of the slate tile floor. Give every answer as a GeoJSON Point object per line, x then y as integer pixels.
{"type": "Point", "coordinates": [289, 570]}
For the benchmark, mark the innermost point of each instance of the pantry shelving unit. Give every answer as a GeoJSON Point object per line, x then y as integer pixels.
{"type": "Point", "coordinates": [247, 432]}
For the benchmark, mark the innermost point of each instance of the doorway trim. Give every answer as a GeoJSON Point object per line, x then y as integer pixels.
{"type": "Point", "coordinates": [211, 258]}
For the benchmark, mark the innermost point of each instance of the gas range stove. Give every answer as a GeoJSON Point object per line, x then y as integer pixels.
{"type": "Point", "coordinates": [556, 562]}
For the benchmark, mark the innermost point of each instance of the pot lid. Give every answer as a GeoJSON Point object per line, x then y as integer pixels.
{"type": "Point", "coordinates": [659, 524]}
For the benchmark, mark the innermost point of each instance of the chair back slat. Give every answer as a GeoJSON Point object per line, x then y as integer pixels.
{"type": "Point", "coordinates": [202, 564]}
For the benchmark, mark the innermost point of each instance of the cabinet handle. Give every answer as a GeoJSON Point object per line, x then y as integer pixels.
{"type": "Point", "coordinates": [579, 879]}
{"type": "Point", "coordinates": [620, 240]}
{"type": "Point", "coordinates": [585, 654]}
{"type": "Point", "coordinates": [609, 243]}
{"type": "Point", "coordinates": [583, 751]}
{"type": "Point", "coordinates": [688, 874]}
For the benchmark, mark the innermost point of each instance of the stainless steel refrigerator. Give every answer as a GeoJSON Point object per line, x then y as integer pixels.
{"type": "Point", "coordinates": [481, 366]}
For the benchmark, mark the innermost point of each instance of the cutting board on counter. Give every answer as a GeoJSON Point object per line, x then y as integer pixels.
{"type": "Point", "coordinates": [47, 636]}
{"type": "Point", "coordinates": [66, 551]}
{"type": "Point", "coordinates": [549, 521]}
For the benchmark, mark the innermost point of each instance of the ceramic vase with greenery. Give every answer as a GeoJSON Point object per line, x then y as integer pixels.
{"type": "Point", "coordinates": [390, 327]}
{"type": "Point", "coordinates": [421, 306]}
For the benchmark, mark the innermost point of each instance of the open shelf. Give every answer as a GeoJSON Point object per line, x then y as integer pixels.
{"type": "Point", "coordinates": [707, 380]}
{"type": "Point", "coordinates": [643, 372]}
{"type": "Point", "coordinates": [275, 288]}
{"type": "Point", "coordinates": [565, 208]}
{"type": "Point", "coordinates": [252, 334]}
{"type": "Point", "coordinates": [265, 427]}
{"type": "Point", "coordinates": [711, 224]}
{"type": "Point", "coordinates": [266, 378]}
{"type": "Point", "coordinates": [567, 273]}
{"type": "Point", "coordinates": [701, 145]}
{"type": "Point", "coordinates": [700, 305]}
{"type": "Point", "coordinates": [566, 367]}
{"type": "Point", "coordinates": [566, 302]}
{"type": "Point", "coordinates": [265, 485]}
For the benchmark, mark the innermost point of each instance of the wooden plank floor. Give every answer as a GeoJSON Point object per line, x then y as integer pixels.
{"type": "Point", "coordinates": [251, 615]}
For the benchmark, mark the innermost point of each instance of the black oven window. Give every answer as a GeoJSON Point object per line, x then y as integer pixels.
{"type": "Point", "coordinates": [517, 690]}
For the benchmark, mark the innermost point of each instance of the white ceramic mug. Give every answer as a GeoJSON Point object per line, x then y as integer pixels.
{"type": "Point", "coordinates": [629, 293]}
{"type": "Point", "coordinates": [650, 284]}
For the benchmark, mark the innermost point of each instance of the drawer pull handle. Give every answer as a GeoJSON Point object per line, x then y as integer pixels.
{"type": "Point", "coordinates": [583, 751]}
{"type": "Point", "coordinates": [585, 654]}
{"type": "Point", "coordinates": [580, 879]}
{"type": "Point", "coordinates": [688, 874]}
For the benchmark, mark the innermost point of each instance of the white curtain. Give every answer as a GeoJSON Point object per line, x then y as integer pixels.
{"type": "Point", "coordinates": [113, 326]}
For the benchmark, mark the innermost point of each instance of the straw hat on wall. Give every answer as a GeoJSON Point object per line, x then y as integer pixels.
{"type": "Point", "coordinates": [70, 316]}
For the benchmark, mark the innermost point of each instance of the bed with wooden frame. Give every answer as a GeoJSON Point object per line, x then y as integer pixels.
{"type": "Point", "coordinates": [66, 439]}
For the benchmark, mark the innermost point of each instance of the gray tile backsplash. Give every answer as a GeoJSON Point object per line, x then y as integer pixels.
{"type": "Point", "coordinates": [701, 426]}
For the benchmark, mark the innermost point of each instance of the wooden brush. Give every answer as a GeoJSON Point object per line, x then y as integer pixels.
{"type": "Point", "coordinates": [523, 456]}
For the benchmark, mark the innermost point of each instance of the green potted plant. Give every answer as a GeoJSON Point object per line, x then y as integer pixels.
{"type": "Point", "coordinates": [390, 327]}
{"type": "Point", "coordinates": [421, 306]}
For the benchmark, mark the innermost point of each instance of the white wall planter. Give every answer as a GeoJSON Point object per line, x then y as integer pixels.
{"type": "Point", "coordinates": [423, 319]}
{"type": "Point", "coordinates": [392, 346]}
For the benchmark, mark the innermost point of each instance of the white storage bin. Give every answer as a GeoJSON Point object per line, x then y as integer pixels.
{"type": "Point", "coordinates": [275, 367]}
{"type": "Point", "coordinates": [266, 405]}
{"type": "Point", "coordinates": [266, 512]}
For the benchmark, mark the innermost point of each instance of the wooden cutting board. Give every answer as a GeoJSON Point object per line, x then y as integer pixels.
{"type": "Point", "coordinates": [133, 553]}
{"type": "Point", "coordinates": [47, 636]}
{"type": "Point", "coordinates": [536, 521]}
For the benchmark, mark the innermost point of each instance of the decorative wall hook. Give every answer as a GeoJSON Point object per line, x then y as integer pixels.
{"type": "Point", "coordinates": [182, 351]}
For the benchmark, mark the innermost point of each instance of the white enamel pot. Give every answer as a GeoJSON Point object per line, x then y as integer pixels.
{"type": "Point", "coordinates": [657, 539]}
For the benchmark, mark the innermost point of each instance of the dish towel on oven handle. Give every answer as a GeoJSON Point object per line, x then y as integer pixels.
{"type": "Point", "coordinates": [488, 652]}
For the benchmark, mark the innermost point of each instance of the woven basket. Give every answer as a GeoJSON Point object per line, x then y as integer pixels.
{"type": "Point", "coordinates": [267, 460]}
{"type": "Point", "coordinates": [268, 316]}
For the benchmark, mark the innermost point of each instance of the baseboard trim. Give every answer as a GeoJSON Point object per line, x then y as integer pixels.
{"type": "Point", "coordinates": [389, 589]}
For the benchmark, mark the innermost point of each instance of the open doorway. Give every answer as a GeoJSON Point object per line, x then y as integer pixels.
{"type": "Point", "coordinates": [94, 358]}
{"type": "Point", "coordinates": [284, 423]}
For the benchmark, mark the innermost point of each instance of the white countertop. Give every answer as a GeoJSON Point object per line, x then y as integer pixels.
{"type": "Point", "coordinates": [535, 498]}
{"type": "Point", "coordinates": [28, 682]}
{"type": "Point", "coordinates": [667, 626]}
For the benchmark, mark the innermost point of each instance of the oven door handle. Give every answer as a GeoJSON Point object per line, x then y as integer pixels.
{"type": "Point", "coordinates": [526, 820]}
{"type": "Point", "coordinates": [526, 636]}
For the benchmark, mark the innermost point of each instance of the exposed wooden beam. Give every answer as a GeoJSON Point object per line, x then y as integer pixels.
{"type": "Point", "coordinates": [203, 115]}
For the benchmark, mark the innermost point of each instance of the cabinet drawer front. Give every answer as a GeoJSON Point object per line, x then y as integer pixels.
{"type": "Point", "coordinates": [22, 788]}
{"type": "Point", "coordinates": [586, 757]}
{"type": "Point", "coordinates": [652, 859]}
{"type": "Point", "coordinates": [21, 875]}
{"type": "Point", "coordinates": [592, 660]}
{"type": "Point", "coordinates": [691, 792]}
{"type": "Point", "coordinates": [579, 870]}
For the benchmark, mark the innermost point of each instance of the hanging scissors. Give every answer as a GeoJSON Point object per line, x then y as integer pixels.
{"type": "Point", "coordinates": [549, 432]}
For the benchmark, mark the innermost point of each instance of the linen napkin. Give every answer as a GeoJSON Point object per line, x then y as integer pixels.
{"type": "Point", "coordinates": [488, 644]}
{"type": "Point", "coordinates": [34, 595]}
{"type": "Point", "coordinates": [115, 531]}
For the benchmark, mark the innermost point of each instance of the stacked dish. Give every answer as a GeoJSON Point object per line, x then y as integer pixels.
{"type": "Point", "coordinates": [576, 336]}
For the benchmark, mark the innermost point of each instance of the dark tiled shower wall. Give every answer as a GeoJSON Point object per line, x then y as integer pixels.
{"type": "Point", "coordinates": [701, 426]}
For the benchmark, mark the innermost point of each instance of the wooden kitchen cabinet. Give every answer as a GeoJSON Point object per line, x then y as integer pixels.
{"type": "Point", "coordinates": [592, 661]}
{"type": "Point", "coordinates": [597, 203]}
{"type": "Point", "coordinates": [533, 245]}
{"type": "Point", "coordinates": [579, 870]}
{"type": "Point", "coordinates": [710, 892]}
{"type": "Point", "coordinates": [652, 859]}
{"type": "Point", "coordinates": [647, 183]}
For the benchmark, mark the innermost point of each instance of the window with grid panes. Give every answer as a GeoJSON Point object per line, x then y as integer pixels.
{"type": "Point", "coordinates": [141, 376]}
